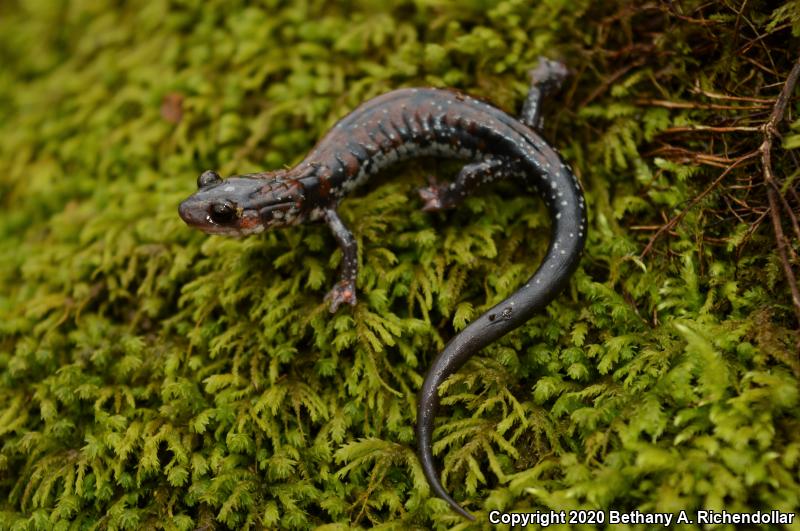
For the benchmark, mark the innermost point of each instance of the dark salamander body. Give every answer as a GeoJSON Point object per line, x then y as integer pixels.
{"type": "Point", "coordinates": [399, 125]}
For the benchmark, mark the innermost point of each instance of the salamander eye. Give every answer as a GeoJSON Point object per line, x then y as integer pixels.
{"type": "Point", "coordinates": [222, 213]}
{"type": "Point", "coordinates": [208, 178]}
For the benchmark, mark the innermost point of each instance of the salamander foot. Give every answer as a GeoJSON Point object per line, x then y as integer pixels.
{"type": "Point", "coordinates": [434, 197]}
{"type": "Point", "coordinates": [546, 79]}
{"type": "Point", "coordinates": [548, 76]}
{"type": "Point", "coordinates": [343, 291]}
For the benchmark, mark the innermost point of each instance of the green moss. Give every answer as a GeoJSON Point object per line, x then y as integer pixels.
{"type": "Point", "coordinates": [156, 377]}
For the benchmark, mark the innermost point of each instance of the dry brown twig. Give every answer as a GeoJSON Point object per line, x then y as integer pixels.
{"type": "Point", "coordinates": [777, 202]}
{"type": "Point", "coordinates": [712, 129]}
{"type": "Point", "coordinates": [717, 96]}
{"type": "Point", "coordinates": [770, 131]}
{"type": "Point", "coordinates": [679, 154]}
{"type": "Point", "coordinates": [674, 221]}
{"type": "Point", "coordinates": [698, 105]}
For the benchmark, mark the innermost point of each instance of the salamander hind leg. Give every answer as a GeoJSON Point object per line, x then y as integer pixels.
{"type": "Point", "coordinates": [344, 291]}
{"type": "Point", "coordinates": [443, 196]}
{"type": "Point", "coordinates": [546, 79]}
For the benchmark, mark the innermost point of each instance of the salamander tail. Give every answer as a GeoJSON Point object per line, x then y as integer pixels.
{"type": "Point", "coordinates": [427, 410]}
{"type": "Point", "coordinates": [561, 259]}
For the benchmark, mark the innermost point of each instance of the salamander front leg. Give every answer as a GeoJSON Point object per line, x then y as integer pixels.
{"type": "Point", "coordinates": [545, 79]}
{"type": "Point", "coordinates": [345, 290]}
{"type": "Point", "coordinates": [443, 196]}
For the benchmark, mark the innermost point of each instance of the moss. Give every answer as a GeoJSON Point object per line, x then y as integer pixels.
{"type": "Point", "coordinates": [156, 377]}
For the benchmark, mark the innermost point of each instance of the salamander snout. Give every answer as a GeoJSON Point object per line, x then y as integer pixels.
{"type": "Point", "coordinates": [187, 213]}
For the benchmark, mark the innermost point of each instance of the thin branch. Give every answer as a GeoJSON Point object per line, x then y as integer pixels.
{"type": "Point", "coordinates": [760, 66]}
{"type": "Point", "coordinates": [792, 218]}
{"type": "Point", "coordinates": [681, 154]}
{"type": "Point", "coordinates": [744, 49]}
{"type": "Point", "coordinates": [610, 80]}
{"type": "Point", "coordinates": [713, 129]}
{"type": "Point", "coordinates": [690, 105]}
{"type": "Point", "coordinates": [645, 227]}
{"type": "Point", "coordinates": [770, 130]}
{"type": "Point", "coordinates": [717, 96]}
{"type": "Point", "coordinates": [674, 221]}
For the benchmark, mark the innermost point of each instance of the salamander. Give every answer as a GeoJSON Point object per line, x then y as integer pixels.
{"type": "Point", "coordinates": [405, 123]}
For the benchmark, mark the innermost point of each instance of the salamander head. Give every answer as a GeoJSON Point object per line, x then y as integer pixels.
{"type": "Point", "coordinates": [243, 205]}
